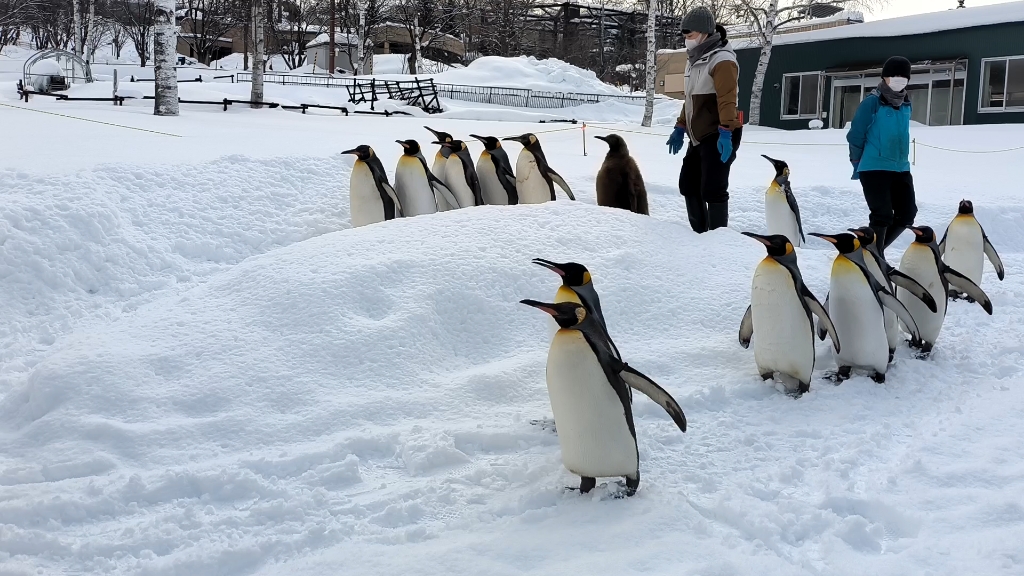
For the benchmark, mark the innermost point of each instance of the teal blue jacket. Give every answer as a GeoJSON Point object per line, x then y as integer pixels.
{"type": "Point", "coordinates": [879, 136]}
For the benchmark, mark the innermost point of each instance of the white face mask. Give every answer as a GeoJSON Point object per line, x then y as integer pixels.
{"type": "Point", "coordinates": [691, 44]}
{"type": "Point", "coordinates": [898, 83]}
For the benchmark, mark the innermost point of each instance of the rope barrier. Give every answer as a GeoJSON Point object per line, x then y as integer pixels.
{"type": "Point", "coordinates": [971, 151]}
{"type": "Point", "coordinates": [89, 120]}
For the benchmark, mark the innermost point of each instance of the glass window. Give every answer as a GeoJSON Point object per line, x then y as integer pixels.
{"type": "Point", "coordinates": [846, 101]}
{"type": "Point", "coordinates": [994, 84]}
{"type": "Point", "coordinates": [1015, 83]}
{"type": "Point", "coordinates": [918, 96]}
{"type": "Point", "coordinates": [939, 110]}
{"type": "Point", "coordinates": [800, 95]}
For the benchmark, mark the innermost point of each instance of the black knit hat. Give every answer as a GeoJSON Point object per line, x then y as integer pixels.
{"type": "Point", "coordinates": [700, 19]}
{"type": "Point", "coordinates": [896, 66]}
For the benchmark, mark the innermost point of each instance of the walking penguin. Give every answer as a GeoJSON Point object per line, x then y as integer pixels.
{"type": "Point", "coordinates": [438, 166]}
{"type": "Point", "coordinates": [779, 317]}
{"type": "Point", "coordinates": [619, 182]}
{"type": "Point", "coordinates": [535, 179]}
{"type": "Point", "coordinates": [415, 185]}
{"type": "Point", "coordinates": [781, 212]}
{"type": "Point", "coordinates": [370, 195]}
{"type": "Point", "coordinates": [965, 245]}
{"type": "Point", "coordinates": [590, 395]}
{"type": "Point", "coordinates": [497, 181]}
{"type": "Point", "coordinates": [577, 286]}
{"type": "Point", "coordinates": [460, 175]}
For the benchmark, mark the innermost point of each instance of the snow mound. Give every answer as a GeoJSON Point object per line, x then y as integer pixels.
{"type": "Point", "coordinates": [551, 75]}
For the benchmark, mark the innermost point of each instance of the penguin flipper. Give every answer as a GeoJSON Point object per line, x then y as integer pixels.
{"type": "Point", "coordinates": [394, 198]}
{"type": "Point", "coordinates": [942, 244]}
{"type": "Point", "coordinates": [557, 179]}
{"type": "Point", "coordinates": [747, 328]}
{"type": "Point", "coordinates": [892, 303]}
{"type": "Point", "coordinates": [791, 200]}
{"type": "Point", "coordinates": [821, 327]}
{"type": "Point", "coordinates": [993, 257]}
{"type": "Point", "coordinates": [913, 286]}
{"type": "Point", "coordinates": [817, 309]}
{"type": "Point", "coordinates": [659, 395]}
{"type": "Point", "coordinates": [965, 285]}
{"type": "Point", "coordinates": [436, 183]}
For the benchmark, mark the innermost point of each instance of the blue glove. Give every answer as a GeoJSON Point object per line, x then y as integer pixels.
{"type": "Point", "coordinates": [724, 143]}
{"type": "Point", "coordinates": [676, 140]}
{"type": "Point", "coordinates": [856, 170]}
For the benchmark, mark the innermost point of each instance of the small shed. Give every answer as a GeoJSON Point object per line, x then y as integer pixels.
{"type": "Point", "coordinates": [344, 51]}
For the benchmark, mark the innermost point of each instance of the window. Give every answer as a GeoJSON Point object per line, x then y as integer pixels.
{"type": "Point", "coordinates": [1002, 84]}
{"type": "Point", "coordinates": [800, 95]}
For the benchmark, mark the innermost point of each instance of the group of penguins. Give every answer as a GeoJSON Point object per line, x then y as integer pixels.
{"type": "Point", "coordinates": [590, 385]}
{"type": "Point", "coordinates": [453, 181]}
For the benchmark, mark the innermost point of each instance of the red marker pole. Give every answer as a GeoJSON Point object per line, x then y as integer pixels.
{"type": "Point", "coordinates": [584, 138]}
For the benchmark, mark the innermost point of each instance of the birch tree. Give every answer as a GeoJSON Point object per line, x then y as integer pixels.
{"type": "Point", "coordinates": [136, 18]}
{"type": "Point", "coordinates": [652, 72]}
{"type": "Point", "coordinates": [165, 37]}
{"type": "Point", "coordinates": [766, 17]}
{"type": "Point", "coordinates": [87, 39]}
{"type": "Point", "coordinates": [259, 27]}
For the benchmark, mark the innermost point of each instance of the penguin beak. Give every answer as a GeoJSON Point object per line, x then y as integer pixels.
{"type": "Point", "coordinates": [514, 139]}
{"type": "Point", "coordinates": [917, 231]}
{"type": "Point", "coordinates": [757, 237]}
{"type": "Point", "coordinates": [604, 138]}
{"type": "Point", "coordinates": [549, 265]}
{"type": "Point", "coordinates": [403, 143]}
{"type": "Point", "coordinates": [823, 237]}
{"type": "Point", "coordinates": [540, 306]}
{"type": "Point", "coordinates": [352, 151]}
{"type": "Point", "coordinates": [434, 132]}
{"type": "Point", "coordinates": [480, 138]}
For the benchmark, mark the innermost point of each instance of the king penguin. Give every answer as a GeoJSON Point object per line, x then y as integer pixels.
{"type": "Point", "coordinates": [619, 182]}
{"type": "Point", "coordinates": [497, 181]}
{"type": "Point", "coordinates": [922, 262]}
{"type": "Point", "coordinates": [779, 317]}
{"type": "Point", "coordinates": [438, 166]}
{"type": "Point", "coordinates": [535, 179]}
{"type": "Point", "coordinates": [856, 303]}
{"type": "Point", "coordinates": [889, 277]}
{"type": "Point", "coordinates": [415, 185]}
{"type": "Point", "coordinates": [965, 245]}
{"type": "Point", "coordinates": [781, 212]}
{"type": "Point", "coordinates": [371, 197]}
{"type": "Point", "coordinates": [578, 286]}
{"type": "Point", "coordinates": [460, 175]}
{"type": "Point", "coordinates": [589, 389]}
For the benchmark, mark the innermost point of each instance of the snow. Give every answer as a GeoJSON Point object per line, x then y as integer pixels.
{"type": "Point", "coordinates": [527, 72]}
{"type": "Point", "coordinates": [204, 370]}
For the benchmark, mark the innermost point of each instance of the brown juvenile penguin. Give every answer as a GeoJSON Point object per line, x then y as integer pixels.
{"type": "Point", "coordinates": [619, 183]}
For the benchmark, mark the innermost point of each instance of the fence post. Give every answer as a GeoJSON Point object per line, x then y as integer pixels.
{"type": "Point", "coordinates": [914, 158]}
{"type": "Point", "coordinates": [584, 138]}
{"type": "Point", "coordinates": [373, 92]}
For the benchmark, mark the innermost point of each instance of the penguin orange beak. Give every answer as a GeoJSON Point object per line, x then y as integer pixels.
{"type": "Point", "coordinates": [823, 237]}
{"type": "Point", "coordinates": [403, 143]}
{"type": "Point", "coordinates": [758, 237]}
{"type": "Point", "coordinates": [514, 139]}
{"type": "Point", "coordinates": [352, 151]}
{"type": "Point", "coordinates": [917, 231]}
{"type": "Point", "coordinates": [540, 306]}
{"type": "Point", "coordinates": [549, 265]}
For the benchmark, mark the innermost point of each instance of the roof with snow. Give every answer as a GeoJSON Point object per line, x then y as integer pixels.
{"type": "Point", "coordinates": [340, 38]}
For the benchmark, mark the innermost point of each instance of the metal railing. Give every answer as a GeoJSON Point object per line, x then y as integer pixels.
{"type": "Point", "coordinates": [502, 96]}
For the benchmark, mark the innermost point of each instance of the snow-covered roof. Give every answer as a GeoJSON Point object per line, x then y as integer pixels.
{"type": "Point", "coordinates": [340, 38]}
{"type": "Point", "coordinates": [851, 16]}
{"type": "Point", "coordinates": [953, 19]}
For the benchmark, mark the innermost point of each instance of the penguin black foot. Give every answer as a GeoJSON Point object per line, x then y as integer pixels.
{"type": "Point", "coordinates": [632, 484]}
{"type": "Point", "coordinates": [953, 294]}
{"type": "Point", "coordinates": [892, 354]}
{"type": "Point", "coordinates": [767, 376]}
{"type": "Point", "coordinates": [843, 374]}
{"type": "Point", "coordinates": [879, 377]}
{"type": "Point", "coordinates": [587, 484]}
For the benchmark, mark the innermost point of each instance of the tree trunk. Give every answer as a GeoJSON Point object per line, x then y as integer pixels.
{"type": "Point", "coordinates": [259, 17]}
{"type": "Point", "coordinates": [246, 45]}
{"type": "Point", "coordinates": [165, 36]}
{"type": "Point", "coordinates": [360, 39]}
{"type": "Point", "coordinates": [417, 50]}
{"type": "Point", "coordinates": [331, 48]}
{"type": "Point", "coordinates": [89, 29]}
{"type": "Point", "coordinates": [652, 71]}
{"type": "Point", "coordinates": [762, 63]}
{"type": "Point", "coordinates": [76, 36]}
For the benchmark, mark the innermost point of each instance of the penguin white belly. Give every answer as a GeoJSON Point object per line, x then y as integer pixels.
{"type": "Point", "coordinates": [779, 218]}
{"type": "Point", "coordinates": [782, 340]}
{"type": "Point", "coordinates": [490, 186]}
{"type": "Point", "coordinates": [413, 189]}
{"type": "Point", "coordinates": [365, 205]}
{"type": "Point", "coordinates": [530, 185]}
{"type": "Point", "coordinates": [892, 330]}
{"type": "Point", "coordinates": [919, 263]}
{"type": "Point", "coordinates": [858, 319]}
{"type": "Point", "coordinates": [455, 178]}
{"type": "Point", "coordinates": [437, 169]}
{"type": "Point", "coordinates": [591, 421]}
{"type": "Point", "coordinates": [965, 248]}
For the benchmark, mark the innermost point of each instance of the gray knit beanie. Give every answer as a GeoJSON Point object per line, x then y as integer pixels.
{"type": "Point", "coordinates": [700, 19]}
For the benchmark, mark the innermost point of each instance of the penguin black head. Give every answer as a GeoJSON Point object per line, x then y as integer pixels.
{"type": "Point", "coordinates": [362, 152]}
{"type": "Point", "coordinates": [781, 169]}
{"type": "Point", "coordinates": [441, 136]}
{"type": "Point", "coordinates": [455, 145]}
{"type": "Point", "coordinates": [616, 145]}
{"type": "Point", "coordinates": [567, 314]}
{"type": "Point", "coordinates": [923, 234]}
{"type": "Point", "coordinates": [845, 243]}
{"type": "Point", "coordinates": [865, 234]}
{"type": "Point", "coordinates": [966, 207]}
{"type": "Point", "coordinates": [572, 274]}
{"type": "Point", "coordinates": [526, 140]}
{"type": "Point", "coordinates": [777, 244]}
{"type": "Point", "coordinates": [490, 142]}
{"type": "Point", "coordinates": [409, 147]}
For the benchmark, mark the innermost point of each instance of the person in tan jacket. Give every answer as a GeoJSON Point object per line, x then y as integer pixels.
{"type": "Point", "coordinates": [710, 119]}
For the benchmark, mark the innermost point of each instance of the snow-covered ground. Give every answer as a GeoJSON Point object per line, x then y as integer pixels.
{"type": "Point", "coordinates": [206, 372]}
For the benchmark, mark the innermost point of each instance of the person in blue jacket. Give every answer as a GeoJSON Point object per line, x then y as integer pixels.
{"type": "Point", "coordinates": [879, 141]}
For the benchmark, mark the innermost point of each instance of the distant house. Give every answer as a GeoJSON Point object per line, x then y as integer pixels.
{"type": "Point", "coordinates": [387, 39]}
{"type": "Point", "coordinates": [344, 51]}
{"type": "Point", "coordinates": [968, 68]}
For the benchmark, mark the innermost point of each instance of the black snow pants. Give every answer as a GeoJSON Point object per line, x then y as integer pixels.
{"type": "Point", "coordinates": [704, 182]}
{"type": "Point", "coordinates": [890, 197]}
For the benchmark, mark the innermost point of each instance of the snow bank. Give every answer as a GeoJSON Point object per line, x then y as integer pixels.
{"type": "Point", "coordinates": [550, 75]}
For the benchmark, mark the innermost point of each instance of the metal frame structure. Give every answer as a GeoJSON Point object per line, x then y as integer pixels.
{"type": "Point", "coordinates": [69, 61]}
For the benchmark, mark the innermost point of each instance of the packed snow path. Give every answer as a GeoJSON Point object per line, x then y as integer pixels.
{"type": "Point", "coordinates": [206, 373]}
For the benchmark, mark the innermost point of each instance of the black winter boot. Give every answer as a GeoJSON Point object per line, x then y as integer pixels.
{"type": "Point", "coordinates": [697, 211]}
{"type": "Point", "coordinates": [718, 215]}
